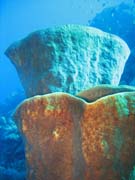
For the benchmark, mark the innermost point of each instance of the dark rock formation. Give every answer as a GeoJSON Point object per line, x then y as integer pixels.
{"type": "Point", "coordinates": [67, 138]}
{"type": "Point", "coordinates": [68, 58]}
{"type": "Point", "coordinates": [12, 154]}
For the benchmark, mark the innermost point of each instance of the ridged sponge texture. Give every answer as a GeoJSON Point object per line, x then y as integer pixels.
{"type": "Point", "coordinates": [68, 58]}
{"type": "Point", "coordinates": [69, 138]}
{"type": "Point", "coordinates": [92, 94]}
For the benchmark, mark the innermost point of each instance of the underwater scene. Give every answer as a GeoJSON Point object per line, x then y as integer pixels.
{"type": "Point", "coordinates": [67, 90]}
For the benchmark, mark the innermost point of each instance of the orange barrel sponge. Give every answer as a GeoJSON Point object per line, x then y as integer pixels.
{"type": "Point", "coordinates": [67, 138]}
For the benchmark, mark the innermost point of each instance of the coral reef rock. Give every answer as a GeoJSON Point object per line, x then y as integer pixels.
{"type": "Point", "coordinates": [68, 138]}
{"type": "Point", "coordinates": [68, 58]}
{"type": "Point", "coordinates": [12, 154]}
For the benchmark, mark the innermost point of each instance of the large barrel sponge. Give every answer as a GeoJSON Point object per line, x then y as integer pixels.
{"type": "Point", "coordinates": [68, 58]}
{"type": "Point", "coordinates": [67, 138]}
{"type": "Point", "coordinates": [92, 94]}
